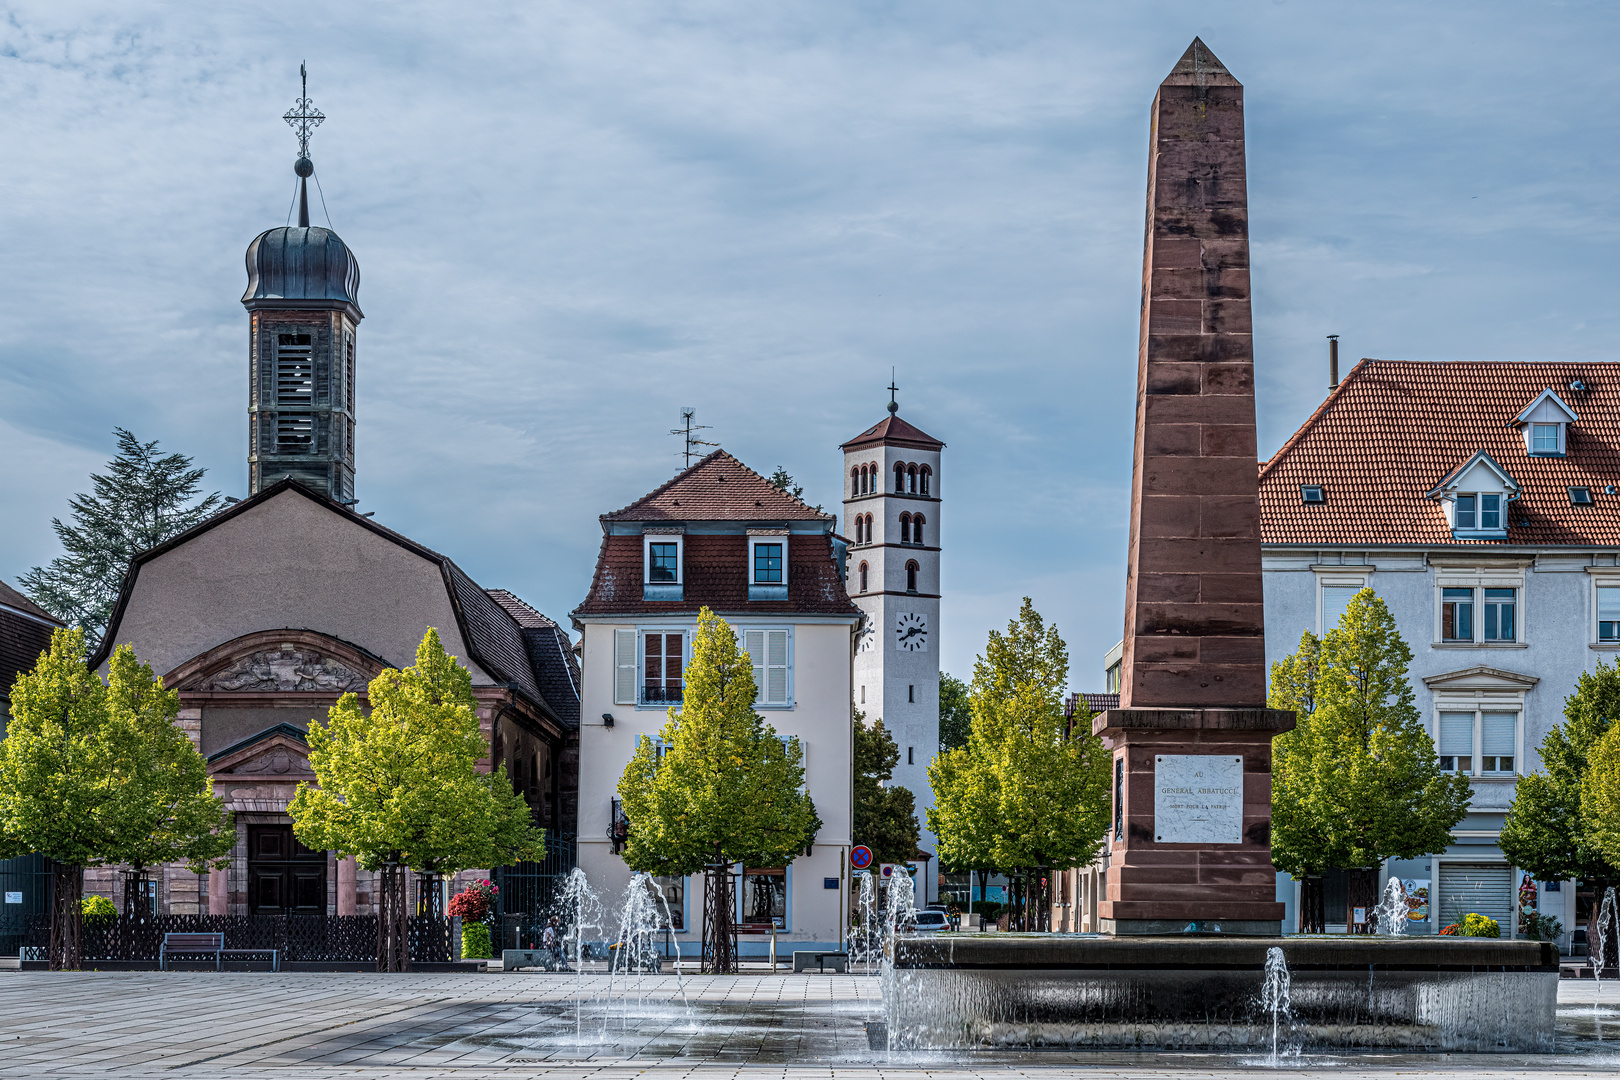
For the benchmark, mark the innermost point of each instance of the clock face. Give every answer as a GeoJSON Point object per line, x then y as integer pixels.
{"type": "Point", "coordinates": [863, 640]}
{"type": "Point", "coordinates": [911, 631]}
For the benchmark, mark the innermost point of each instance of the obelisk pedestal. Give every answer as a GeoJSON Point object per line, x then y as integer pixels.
{"type": "Point", "coordinates": [1190, 846]}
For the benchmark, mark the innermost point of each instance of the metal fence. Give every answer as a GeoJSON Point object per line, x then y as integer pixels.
{"type": "Point", "coordinates": [26, 882]}
{"type": "Point", "coordinates": [529, 889]}
{"type": "Point", "coordinates": [306, 938]}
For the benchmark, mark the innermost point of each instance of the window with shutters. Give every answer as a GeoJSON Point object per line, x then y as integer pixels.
{"type": "Point", "coordinates": [624, 667]}
{"type": "Point", "coordinates": [1498, 736]}
{"type": "Point", "coordinates": [769, 650]}
{"type": "Point", "coordinates": [1456, 742]}
{"type": "Point", "coordinates": [663, 664]}
{"type": "Point", "coordinates": [1608, 614]}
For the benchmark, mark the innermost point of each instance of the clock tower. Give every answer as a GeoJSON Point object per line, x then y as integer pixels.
{"type": "Point", "coordinates": [892, 519]}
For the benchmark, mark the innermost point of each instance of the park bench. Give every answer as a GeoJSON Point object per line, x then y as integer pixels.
{"type": "Point", "coordinates": [804, 960]}
{"type": "Point", "coordinates": [208, 945]}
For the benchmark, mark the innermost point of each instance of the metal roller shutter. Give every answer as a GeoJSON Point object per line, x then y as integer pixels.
{"type": "Point", "coordinates": [1482, 888]}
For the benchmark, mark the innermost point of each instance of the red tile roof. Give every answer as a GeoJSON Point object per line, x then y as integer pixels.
{"type": "Point", "coordinates": [715, 574]}
{"type": "Point", "coordinates": [1394, 429]}
{"type": "Point", "coordinates": [892, 429]}
{"type": "Point", "coordinates": [717, 488]}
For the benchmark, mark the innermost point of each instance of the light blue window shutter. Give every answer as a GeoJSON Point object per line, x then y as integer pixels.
{"type": "Point", "coordinates": [624, 667]}
{"type": "Point", "coordinates": [776, 667]}
{"type": "Point", "coordinates": [1497, 734]}
{"type": "Point", "coordinates": [754, 644]}
{"type": "Point", "coordinates": [1457, 734]}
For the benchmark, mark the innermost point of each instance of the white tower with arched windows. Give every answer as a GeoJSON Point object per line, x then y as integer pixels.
{"type": "Point", "coordinates": [891, 519]}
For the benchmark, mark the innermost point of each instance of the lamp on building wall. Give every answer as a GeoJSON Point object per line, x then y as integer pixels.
{"type": "Point", "coordinates": [607, 719]}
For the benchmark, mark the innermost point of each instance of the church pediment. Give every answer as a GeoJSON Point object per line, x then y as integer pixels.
{"type": "Point", "coordinates": [279, 661]}
{"type": "Point", "coordinates": [1480, 678]}
{"type": "Point", "coordinates": [279, 753]}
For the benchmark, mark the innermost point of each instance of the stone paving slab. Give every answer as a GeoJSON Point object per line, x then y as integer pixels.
{"type": "Point", "coordinates": [184, 1025]}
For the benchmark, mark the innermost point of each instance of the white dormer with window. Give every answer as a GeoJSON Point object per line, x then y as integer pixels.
{"type": "Point", "coordinates": [662, 570]}
{"type": "Point", "coordinates": [1545, 422]}
{"type": "Point", "coordinates": [1476, 498]}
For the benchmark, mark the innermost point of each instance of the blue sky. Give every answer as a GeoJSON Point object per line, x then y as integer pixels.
{"type": "Point", "coordinates": [574, 218]}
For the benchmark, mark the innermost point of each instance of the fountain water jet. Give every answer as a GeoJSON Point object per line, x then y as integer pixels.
{"type": "Point", "coordinates": [1274, 996]}
{"type": "Point", "coordinates": [1392, 910]}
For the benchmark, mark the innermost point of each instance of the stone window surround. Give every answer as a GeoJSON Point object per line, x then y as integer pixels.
{"type": "Point", "coordinates": [1606, 576]}
{"type": "Point", "coordinates": [1352, 575]}
{"type": "Point", "coordinates": [1478, 574]}
{"type": "Point", "coordinates": [1480, 690]}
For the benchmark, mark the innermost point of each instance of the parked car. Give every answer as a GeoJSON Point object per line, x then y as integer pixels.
{"type": "Point", "coordinates": [928, 922]}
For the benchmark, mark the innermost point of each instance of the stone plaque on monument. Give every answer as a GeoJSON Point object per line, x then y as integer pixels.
{"type": "Point", "coordinates": [1198, 799]}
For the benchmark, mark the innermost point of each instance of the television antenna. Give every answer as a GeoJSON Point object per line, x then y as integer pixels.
{"type": "Point", "coordinates": [686, 431]}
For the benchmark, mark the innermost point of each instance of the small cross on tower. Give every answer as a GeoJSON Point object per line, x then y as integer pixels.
{"type": "Point", "coordinates": [304, 117]}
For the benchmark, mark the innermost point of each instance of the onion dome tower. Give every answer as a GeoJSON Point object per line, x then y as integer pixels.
{"type": "Point", "coordinates": [303, 312]}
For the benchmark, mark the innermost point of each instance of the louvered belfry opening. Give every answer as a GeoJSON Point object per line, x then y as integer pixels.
{"type": "Point", "coordinates": [1192, 737]}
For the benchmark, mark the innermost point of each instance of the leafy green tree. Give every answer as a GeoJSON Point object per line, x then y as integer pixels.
{"type": "Point", "coordinates": [143, 499]}
{"type": "Point", "coordinates": [1561, 822]}
{"type": "Point", "coordinates": [400, 788]}
{"type": "Point", "coordinates": [1357, 780]}
{"type": "Point", "coordinates": [1027, 793]}
{"type": "Point", "coordinates": [57, 779]}
{"type": "Point", "coordinates": [955, 716]}
{"type": "Point", "coordinates": [885, 817]}
{"type": "Point", "coordinates": [164, 809]}
{"type": "Point", "coordinates": [725, 790]}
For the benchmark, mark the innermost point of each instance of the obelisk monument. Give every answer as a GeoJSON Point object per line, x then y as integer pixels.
{"type": "Point", "coordinates": [1190, 844]}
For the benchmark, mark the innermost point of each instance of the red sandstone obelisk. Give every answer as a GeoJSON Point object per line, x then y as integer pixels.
{"type": "Point", "coordinates": [1190, 847]}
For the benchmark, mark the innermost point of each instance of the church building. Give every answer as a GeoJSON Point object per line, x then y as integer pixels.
{"type": "Point", "coordinates": [265, 614]}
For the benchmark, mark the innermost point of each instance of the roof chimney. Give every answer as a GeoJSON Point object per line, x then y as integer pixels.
{"type": "Point", "coordinates": [1333, 362]}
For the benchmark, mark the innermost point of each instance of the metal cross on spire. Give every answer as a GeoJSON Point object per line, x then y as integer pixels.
{"type": "Point", "coordinates": [894, 406]}
{"type": "Point", "coordinates": [304, 117]}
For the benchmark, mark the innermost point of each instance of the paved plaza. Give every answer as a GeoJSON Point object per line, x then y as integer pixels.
{"type": "Point", "coordinates": [462, 1026]}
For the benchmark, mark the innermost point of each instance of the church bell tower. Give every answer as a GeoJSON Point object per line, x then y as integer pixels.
{"type": "Point", "coordinates": [303, 314]}
{"type": "Point", "coordinates": [891, 519]}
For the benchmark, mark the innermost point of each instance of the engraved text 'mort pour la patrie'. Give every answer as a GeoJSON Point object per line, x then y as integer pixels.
{"type": "Point", "coordinates": [1198, 799]}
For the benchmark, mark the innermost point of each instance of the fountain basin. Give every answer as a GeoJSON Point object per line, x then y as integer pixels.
{"type": "Point", "coordinates": [1434, 993]}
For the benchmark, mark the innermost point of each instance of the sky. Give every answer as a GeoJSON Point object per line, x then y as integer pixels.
{"type": "Point", "coordinates": [572, 219]}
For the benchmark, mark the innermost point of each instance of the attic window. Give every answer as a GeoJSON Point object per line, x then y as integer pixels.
{"type": "Point", "coordinates": [1580, 496]}
{"type": "Point", "coordinates": [1312, 493]}
{"type": "Point", "coordinates": [1544, 438]}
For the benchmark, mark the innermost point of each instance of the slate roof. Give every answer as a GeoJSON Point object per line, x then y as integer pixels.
{"type": "Point", "coordinates": [551, 655]}
{"type": "Point", "coordinates": [892, 429]}
{"type": "Point", "coordinates": [495, 641]}
{"type": "Point", "coordinates": [1095, 702]}
{"type": "Point", "coordinates": [11, 598]}
{"type": "Point", "coordinates": [716, 575]}
{"type": "Point", "coordinates": [717, 488]}
{"type": "Point", "coordinates": [1394, 429]}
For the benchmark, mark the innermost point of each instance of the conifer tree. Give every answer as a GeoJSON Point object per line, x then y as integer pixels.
{"type": "Point", "coordinates": [1357, 781]}
{"type": "Point", "coordinates": [400, 788]}
{"type": "Point", "coordinates": [885, 816]}
{"type": "Point", "coordinates": [144, 498]}
{"type": "Point", "coordinates": [726, 789]}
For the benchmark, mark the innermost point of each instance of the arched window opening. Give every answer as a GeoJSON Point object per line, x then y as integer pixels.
{"type": "Point", "coordinates": [899, 478]}
{"type": "Point", "coordinates": [911, 576]}
{"type": "Point", "coordinates": [916, 529]}
{"type": "Point", "coordinates": [855, 480]}
{"type": "Point", "coordinates": [863, 577]}
{"type": "Point", "coordinates": [905, 528]}
{"type": "Point", "coordinates": [911, 479]}
{"type": "Point", "coordinates": [868, 528]}
{"type": "Point", "coordinates": [925, 472]}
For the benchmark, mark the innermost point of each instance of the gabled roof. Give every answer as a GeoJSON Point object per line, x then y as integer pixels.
{"type": "Point", "coordinates": [493, 638]}
{"type": "Point", "coordinates": [718, 488]}
{"type": "Point", "coordinates": [1547, 395]}
{"type": "Point", "coordinates": [1456, 476]}
{"type": "Point", "coordinates": [895, 431]}
{"type": "Point", "coordinates": [1396, 429]}
{"type": "Point", "coordinates": [11, 598]}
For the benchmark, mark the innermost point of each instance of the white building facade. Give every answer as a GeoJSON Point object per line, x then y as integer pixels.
{"type": "Point", "coordinates": [719, 535]}
{"type": "Point", "coordinates": [1476, 500]}
{"type": "Point", "coordinates": [892, 497]}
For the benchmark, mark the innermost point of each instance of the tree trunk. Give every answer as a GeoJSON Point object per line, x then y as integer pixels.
{"type": "Point", "coordinates": [393, 939]}
{"type": "Point", "coordinates": [1312, 895]}
{"type": "Point", "coordinates": [66, 917]}
{"type": "Point", "coordinates": [719, 931]}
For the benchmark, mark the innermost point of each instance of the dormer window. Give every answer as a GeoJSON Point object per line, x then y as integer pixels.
{"type": "Point", "coordinates": [1580, 496]}
{"type": "Point", "coordinates": [1312, 493]}
{"type": "Point", "coordinates": [662, 576]}
{"type": "Point", "coordinates": [1475, 510]}
{"type": "Point", "coordinates": [1546, 422]}
{"type": "Point", "coordinates": [767, 564]}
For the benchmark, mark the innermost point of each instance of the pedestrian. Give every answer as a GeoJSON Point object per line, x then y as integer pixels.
{"type": "Point", "coordinates": [551, 939]}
